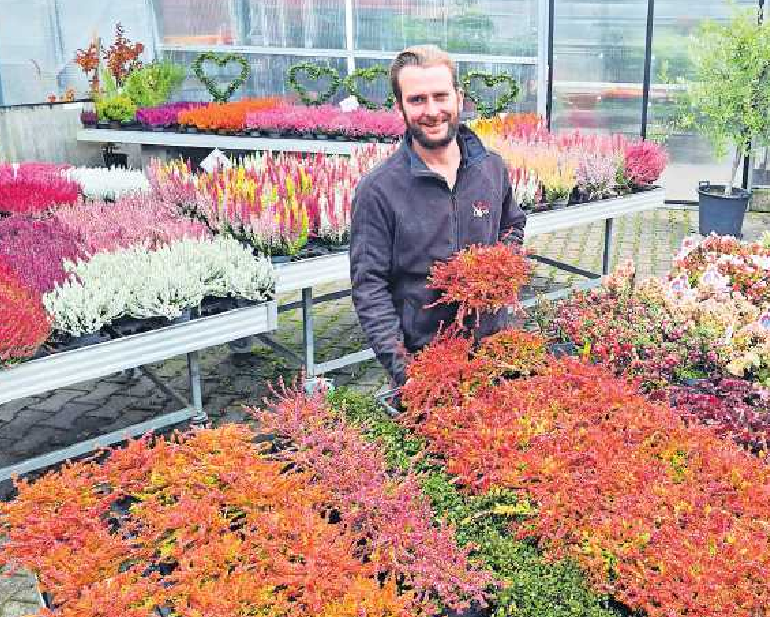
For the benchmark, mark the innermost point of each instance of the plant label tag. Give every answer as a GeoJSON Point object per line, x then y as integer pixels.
{"type": "Point", "coordinates": [216, 159]}
{"type": "Point", "coordinates": [480, 209]}
{"type": "Point", "coordinates": [349, 104]}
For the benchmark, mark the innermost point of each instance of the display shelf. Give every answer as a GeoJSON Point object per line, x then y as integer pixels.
{"type": "Point", "coordinates": [223, 142]}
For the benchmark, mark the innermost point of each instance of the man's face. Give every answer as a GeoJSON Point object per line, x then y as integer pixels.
{"type": "Point", "coordinates": [430, 105]}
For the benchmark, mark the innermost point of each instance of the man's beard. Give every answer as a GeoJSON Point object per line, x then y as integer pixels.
{"type": "Point", "coordinates": [453, 125]}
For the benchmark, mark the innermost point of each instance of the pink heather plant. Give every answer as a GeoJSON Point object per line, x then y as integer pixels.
{"type": "Point", "coordinates": [31, 188]}
{"type": "Point", "coordinates": [374, 503]}
{"type": "Point", "coordinates": [328, 119]}
{"type": "Point", "coordinates": [136, 219]}
{"type": "Point", "coordinates": [644, 162]}
{"type": "Point", "coordinates": [36, 250]}
{"type": "Point", "coordinates": [164, 115]}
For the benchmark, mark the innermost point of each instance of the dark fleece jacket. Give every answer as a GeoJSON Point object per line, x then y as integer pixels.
{"type": "Point", "coordinates": [405, 218]}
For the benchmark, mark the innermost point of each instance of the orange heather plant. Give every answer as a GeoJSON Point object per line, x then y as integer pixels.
{"type": "Point", "coordinates": [481, 279]}
{"type": "Point", "coordinates": [230, 116]}
{"type": "Point", "coordinates": [24, 324]}
{"type": "Point", "coordinates": [202, 524]}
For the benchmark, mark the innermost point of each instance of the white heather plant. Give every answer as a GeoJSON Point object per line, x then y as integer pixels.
{"type": "Point", "coordinates": [141, 283]}
{"type": "Point", "coordinates": [112, 183]}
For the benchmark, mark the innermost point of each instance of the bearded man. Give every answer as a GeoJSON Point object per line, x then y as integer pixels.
{"type": "Point", "coordinates": [440, 192]}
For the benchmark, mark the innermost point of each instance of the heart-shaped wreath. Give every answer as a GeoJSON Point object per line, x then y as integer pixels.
{"type": "Point", "coordinates": [313, 72]}
{"type": "Point", "coordinates": [484, 109]}
{"type": "Point", "coordinates": [368, 75]}
{"type": "Point", "coordinates": [216, 93]}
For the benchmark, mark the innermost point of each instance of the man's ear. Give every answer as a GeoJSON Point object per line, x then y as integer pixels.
{"type": "Point", "coordinates": [460, 98]}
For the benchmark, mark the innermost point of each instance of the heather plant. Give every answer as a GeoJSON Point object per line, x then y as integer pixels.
{"type": "Point", "coordinates": [164, 115]}
{"type": "Point", "coordinates": [230, 116]}
{"type": "Point", "coordinates": [596, 174]}
{"type": "Point", "coordinates": [531, 586]}
{"type": "Point", "coordinates": [328, 119]}
{"type": "Point", "coordinates": [481, 279]}
{"type": "Point", "coordinates": [37, 249]}
{"type": "Point", "coordinates": [113, 183]}
{"type": "Point", "coordinates": [204, 524]}
{"type": "Point", "coordinates": [643, 162]}
{"type": "Point", "coordinates": [32, 188]}
{"type": "Point", "coordinates": [735, 409]}
{"type": "Point", "coordinates": [379, 506]}
{"type": "Point", "coordinates": [24, 325]}
{"type": "Point", "coordinates": [136, 219]}
{"type": "Point", "coordinates": [164, 282]}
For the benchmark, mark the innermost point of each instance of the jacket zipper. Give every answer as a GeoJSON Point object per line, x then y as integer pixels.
{"type": "Point", "coordinates": [455, 210]}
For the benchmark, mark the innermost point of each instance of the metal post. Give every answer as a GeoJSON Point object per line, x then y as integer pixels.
{"type": "Point", "coordinates": [549, 88]}
{"type": "Point", "coordinates": [606, 257]}
{"type": "Point", "coordinates": [307, 332]}
{"type": "Point", "coordinates": [349, 36]}
{"type": "Point", "coordinates": [647, 66]}
{"type": "Point", "coordinates": [196, 392]}
{"type": "Point", "coordinates": [542, 57]}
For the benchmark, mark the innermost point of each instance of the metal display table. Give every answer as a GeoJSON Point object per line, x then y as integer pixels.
{"type": "Point", "coordinates": [304, 275]}
{"type": "Point", "coordinates": [129, 352]}
{"type": "Point", "coordinates": [155, 143]}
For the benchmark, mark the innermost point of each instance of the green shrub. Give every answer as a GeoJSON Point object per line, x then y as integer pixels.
{"type": "Point", "coordinates": [153, 84]}
{"type": "Point", "coordinates": [116, 107]}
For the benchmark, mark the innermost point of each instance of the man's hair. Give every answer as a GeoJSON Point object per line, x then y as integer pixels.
{"type": "Point", "coordinates": [420, 55]}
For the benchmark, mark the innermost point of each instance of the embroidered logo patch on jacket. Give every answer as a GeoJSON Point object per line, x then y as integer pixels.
{"type": "Point", "coordinates": [480, 208]}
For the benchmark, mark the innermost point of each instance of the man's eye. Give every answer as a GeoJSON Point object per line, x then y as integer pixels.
{"type": "Point", "coordinates": [440, 97]}
{"type": "Point", "coordinates": [416, 99]}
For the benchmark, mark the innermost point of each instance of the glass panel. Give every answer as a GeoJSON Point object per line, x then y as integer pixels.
{"type": "Point", "coordinates": [599, 64]}
{"type": "Point", "coordinates": [691, 156]}
{"type": "Point", "coordinates": [268, 76]}
{"type": "Point", "coordinates": [197, 22]}
{"type": "Point", "coordinates": [38, 40]}
{"type": "Point", "coordinates": [295, 23]}
{"type": "Point", "coordinates": [496, 27]}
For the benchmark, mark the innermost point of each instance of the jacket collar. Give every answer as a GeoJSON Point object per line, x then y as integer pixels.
{"type": "Point", "coordinates": [472, 151]}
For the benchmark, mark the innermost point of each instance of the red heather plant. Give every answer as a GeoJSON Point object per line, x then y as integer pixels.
{"type": "Point", "coordinates": [378, 507]}
{"type": "Point", "coordinates": [735, 408]}
{"type": "Point", "coordinates": [135, 219]}
{"type": "Point", "coordinates": [644, 161]}
{"type": "Point", "coordinates": [31, 188]}
{"type": "Point", "coordinates": [481, 279]}
{"type": "Point", "coordinates": [658, 513]}
{"type": "Point", "coordinates": [203, 524]}
{"type": "Point", "coordinates": [36, 250]}
{"type": "Point", "coordinates": [24, 324]}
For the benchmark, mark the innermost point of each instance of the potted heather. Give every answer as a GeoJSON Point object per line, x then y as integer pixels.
{"type": "Point", "coordinates": [728, 102]}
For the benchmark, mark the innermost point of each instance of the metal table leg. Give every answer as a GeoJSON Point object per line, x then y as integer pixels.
{"type": "Point", "coordinates": [606, 257]}
{"type": "Point", "coordinates": [307, 332]}
{"type": "Point", "coordinates": [196, 392]}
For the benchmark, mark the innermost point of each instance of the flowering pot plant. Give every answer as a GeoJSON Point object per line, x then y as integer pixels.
{"type": "Point", "coordinates": [32, 188]}
{"type": "Point", "coordinates": [24, 324]}
{"type": "Point", "coordinates": [100, 183]}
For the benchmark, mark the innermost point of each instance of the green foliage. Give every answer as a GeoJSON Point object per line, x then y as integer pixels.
{"type": "Point", "coordinates": [116, 107]}
{"type": "Point", "coordinates": [534, 587]}
{"type": "Point", "coordinates": [490, 80]}
{"type": "Point", "coordinates": [369, 74]}
{"type": "Point", "coordinates": [313, 72]}
{"type": "Point", "coordinates": [153, 84]}
{"type": "Point", "coordinates": [221, 60]}
{"type": "Point", "coordinates": [729, 96]}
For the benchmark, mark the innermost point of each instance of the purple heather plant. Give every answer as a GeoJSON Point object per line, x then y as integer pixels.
{"type": "Point", "coordinates": [164, 115]}
{"type": "Point", "coordinates": [36, 250]}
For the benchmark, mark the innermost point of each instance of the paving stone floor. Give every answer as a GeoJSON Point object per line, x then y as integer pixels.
{"type": "Point", "coordinates": [46, 422]}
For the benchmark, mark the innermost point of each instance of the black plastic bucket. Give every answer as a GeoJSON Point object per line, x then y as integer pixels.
{"type": "Point", "coordinates": [718, 213]}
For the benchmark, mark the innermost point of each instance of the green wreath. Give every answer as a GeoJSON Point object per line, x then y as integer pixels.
{"type": "Point", "coordinates": [368, 75]}
{"type": "Point", "coordinates": [216, 93]}
{"type": "Point", "coordinates": [485, 109]}
{"type": "Point", "coordinates": [313, 72]}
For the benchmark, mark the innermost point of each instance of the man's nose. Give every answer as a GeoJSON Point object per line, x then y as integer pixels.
{"type": "Point", "coordinates": [432, 108]}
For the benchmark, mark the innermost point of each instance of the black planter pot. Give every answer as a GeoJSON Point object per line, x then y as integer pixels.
{"type": "Point", "coordinates": [78, 342]}
{"type": "Point", "coordinates": [115, 159]}
{"type": "Point", "coordinates": [718, 213]}
{"type": "Point", "coordinates": [280, 259]}
{"type": "Point", "coordinates": [563, 349]}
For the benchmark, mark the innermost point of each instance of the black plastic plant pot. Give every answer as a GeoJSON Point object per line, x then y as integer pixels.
{"type": "Point", "coordinates": [339, 248]}
{"type": "Point", "coordinates": [115, 159]}
{"type": "Point", "coordinates": [719, 213]}
{"type": "Point", "coordinates": [280, 259]}
{"type": "Point", "coordinates": [78, 342]}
